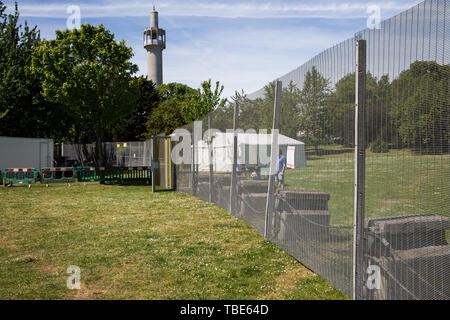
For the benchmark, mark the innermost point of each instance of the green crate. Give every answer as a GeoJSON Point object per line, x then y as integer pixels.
{"type": "Point", "coordinates": [58, 175]}
{"type": "Point", "coordinates": [89, 174]}
{"type": "Point", "coordinates": [127, 175]}
{"type": "Point", "coordinates": [12, 176]}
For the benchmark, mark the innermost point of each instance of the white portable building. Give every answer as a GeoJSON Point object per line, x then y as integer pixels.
{"type": "Point", "coordinates": [25, 153]}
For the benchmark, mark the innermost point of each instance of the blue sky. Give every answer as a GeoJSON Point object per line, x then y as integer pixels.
{"type": "Point", "coordinates": [243, 44]}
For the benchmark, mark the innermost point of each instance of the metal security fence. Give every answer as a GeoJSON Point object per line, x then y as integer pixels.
{"type": "Point", "coordinates": [343, 162]}
{"type": "Point", "coordinates": [407, 130]}
{"type": "Point", "coordinates": [118, 154]}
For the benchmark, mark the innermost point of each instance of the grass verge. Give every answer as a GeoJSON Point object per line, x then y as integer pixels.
{"type": "Point", "coordinates": [132, 244]}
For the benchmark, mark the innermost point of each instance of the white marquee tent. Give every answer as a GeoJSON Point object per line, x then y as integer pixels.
{"type": "Point", "coordinates": [252, 149]}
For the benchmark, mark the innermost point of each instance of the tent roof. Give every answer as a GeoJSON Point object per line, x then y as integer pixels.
{"type": "Point", "coordinates": [265, 139]}
{"type": "Point", "coordinates": [226, 139]}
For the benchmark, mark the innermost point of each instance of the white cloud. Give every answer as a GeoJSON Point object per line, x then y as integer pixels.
{"type": "Point", "coordinates": [240, 54]}
{"type": "Point", "coordinates": [247, 59]}
{"type": "Point", "coordinates": [250, 9]}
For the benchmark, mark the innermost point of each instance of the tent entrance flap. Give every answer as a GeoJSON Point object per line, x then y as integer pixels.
{"type": "Point", "coordinates": [163, 170]}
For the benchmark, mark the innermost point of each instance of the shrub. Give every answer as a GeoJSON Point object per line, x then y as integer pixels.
{"type": "Point", "coordinates": [379, 146]}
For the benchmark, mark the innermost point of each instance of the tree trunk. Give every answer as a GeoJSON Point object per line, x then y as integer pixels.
{"type": "Point", "coordinates": [99, 146]}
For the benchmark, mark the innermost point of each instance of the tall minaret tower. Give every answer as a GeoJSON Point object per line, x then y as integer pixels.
{"type": "Point", "coordinates": [154, 43]}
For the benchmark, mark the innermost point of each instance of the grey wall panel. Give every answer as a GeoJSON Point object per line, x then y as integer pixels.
{"type": "Point", "coordinates": [25, 153]}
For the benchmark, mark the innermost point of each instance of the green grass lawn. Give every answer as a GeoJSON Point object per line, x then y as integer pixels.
{"type": "Point", "coordinates": [397, 183]}
{"type": "Point", "coordinates": [132, 244]}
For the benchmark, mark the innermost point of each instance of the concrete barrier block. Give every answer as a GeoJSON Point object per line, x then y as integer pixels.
{"type": "Point", "coordinates": [420, 273]}
{"type": "Point", "coordinates": [253, 204]}
{"type": "Point", "coordinates": [304, 225]}
{"type": "Point", "coordinates": [222, 197]}
{"type": "Point", "coordinates": [409, 232]}
{"type": "Point", "coordinates": [302, 200]}
{"type": "Point", "coordinates": [253, 186]}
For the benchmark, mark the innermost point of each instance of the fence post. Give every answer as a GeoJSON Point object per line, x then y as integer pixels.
{"type": "Point", "coordinates": [235, 154]}
{"type": "Point", "coordinates": [270, 202]}
{"type": "Point", "coordinates": [360, 145]}
{"type": "Point", "coordinates": [192, 173]}
{"type": "Point", "coordinates": [210, 151]}
{"type": "Point", "coordinates": [153, 164]}
{"type": "Point", "coordinates": [196, 131]}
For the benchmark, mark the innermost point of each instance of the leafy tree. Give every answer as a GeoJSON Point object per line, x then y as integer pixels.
{"type": "Point", "coordinates": [2, 12]}
{"type": "Point", "coordinates": [378, 122]}
{"type": "Point", "coordinates": [314, 117]}
{"type": "Point", "coordinates": [174, 110]}
{"type": "Point", "coordinates": [23, 110]}
{"type": "Point", "coordinates": [209, 100]}
{"type": "Point", "coordinates": [176, 91]}
{"type": "Point", "coordinates": [90, 74]}
{"type": "Point", "coordinates": [290, 111]}
{"type": "Point", "coordinates": [341, 107]}
{"type": "Point", "coordinates": [264, 107]}
{"type": "Point", "coordinates": [3, 22]}
{"type": "Point", "coordinates": [167, 117]}
{"type": "Point", "coordinates": [258, 113]}
{"type": "Point", "coordinates": [181, 104]}
{"type": "Point", "coordinates": [188, 98]}
{"type": "Point", "coordinates": [132, 127]}
{"type": "Point", "coordinates": [379, 146]}
{"type": "Point", "coordinates": [421, 108]}
{"type": "Point", "coordinates": [222, 117]}
{"type": "Point", "coordinates": [378, 116]}
{"type": "Point", "coordinates": [250, 115]}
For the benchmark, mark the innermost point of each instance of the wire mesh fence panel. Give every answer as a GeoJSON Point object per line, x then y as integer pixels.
{"type": "Point", "coordinates": [313, 217]}
{"type": "Point", "coordinates": [131, 154]}
{"type": "Point", "coordinates": [118, 154]}
{"type": "Point", "coordinates": [182, 158]}
{"type": "Point", "coordinates": [182, 155]}
{"type": "Point", "coordinates": [407, 255]}
{"type": "Point", "coordinates": [391, 185]}
{"type": "Point", "coordinates": [212, 145]}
